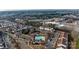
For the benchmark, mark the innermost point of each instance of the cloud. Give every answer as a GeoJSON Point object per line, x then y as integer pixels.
{"type": "Point", "coordinates": [38, 4]}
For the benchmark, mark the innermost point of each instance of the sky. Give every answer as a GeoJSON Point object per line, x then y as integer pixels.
{"type": "Point", "coordinates": [38, 4]}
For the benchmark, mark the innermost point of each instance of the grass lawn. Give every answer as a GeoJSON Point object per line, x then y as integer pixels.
{"type": "Point", "coordinates": [77, 44]}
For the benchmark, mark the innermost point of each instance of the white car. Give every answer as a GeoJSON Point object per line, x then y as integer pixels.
{"type": "Point", "coordinates": [1, 44]}
{"type": "Point", "coordinates": [1, 47]}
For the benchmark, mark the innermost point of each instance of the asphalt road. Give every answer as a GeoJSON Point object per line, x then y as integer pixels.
{"type": "Point", "coordinates": [50, 44]}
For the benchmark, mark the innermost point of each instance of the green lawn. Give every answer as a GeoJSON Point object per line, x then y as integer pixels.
{"type": "Point", "coordinates": [77, 45]}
